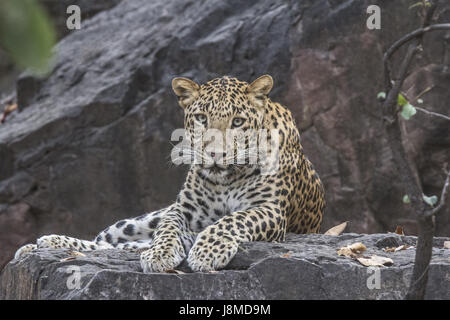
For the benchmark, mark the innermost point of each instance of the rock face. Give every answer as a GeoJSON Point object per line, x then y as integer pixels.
{"type": "Point", "coordinates": [303, 267]}
{"type": "Point", "coordinates": [91, 144]}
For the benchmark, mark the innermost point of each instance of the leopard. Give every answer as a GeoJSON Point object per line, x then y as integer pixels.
{"type": "Point", "coordinates": [222, 204]}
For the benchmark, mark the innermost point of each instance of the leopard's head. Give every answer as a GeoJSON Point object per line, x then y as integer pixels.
{"type": "Point", "coordinates": [219, 113]}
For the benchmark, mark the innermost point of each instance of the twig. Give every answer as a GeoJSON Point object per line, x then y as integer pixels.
{"type": "Point", "coordinates": [431, 113]}
{"type": "Point", "coordinates": [424, 274]}
{"type": "Point", "coordinates": [443, 198]}
{"type": "Point", "coordinates": [391, 101]}
{"type": "Point", "coordinates": [423, 92]}
{"type": "Point", "coordinates": [412, 35]}
{"type": "Point", "coordinates": [429, 13]}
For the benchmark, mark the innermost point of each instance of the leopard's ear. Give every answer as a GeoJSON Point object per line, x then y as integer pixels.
{"type": "Point", "coordinates": [259, 89]}
{"type": "Point", "coordinates": [186, 90]}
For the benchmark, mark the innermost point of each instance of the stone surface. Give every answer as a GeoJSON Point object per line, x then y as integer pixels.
{"type": "Point", "coordinates": [57, 9]}
{"type": "Point", "coordinates": [91, 145]}
{"type": "Point", "coordinates": [303, 267]}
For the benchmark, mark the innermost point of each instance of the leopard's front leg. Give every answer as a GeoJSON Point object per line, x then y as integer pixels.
{"type": "Point", "coordinates": [218, 243]}
{"type": "Point", "coordinates": [125, 234]}
{"type": "Point", "coordinates": [172, 240]}
{"type": "Point", "coordinates": [58, 242]}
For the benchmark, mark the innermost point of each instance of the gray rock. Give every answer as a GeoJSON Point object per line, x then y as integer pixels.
{"type": "Point", "coordinates": [58, 11]}
{"type": "Point", "coordinates": [303, 267]}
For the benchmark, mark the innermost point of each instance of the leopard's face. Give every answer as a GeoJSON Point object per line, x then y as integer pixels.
{"type": "Point", "coordinates": [222, 120]}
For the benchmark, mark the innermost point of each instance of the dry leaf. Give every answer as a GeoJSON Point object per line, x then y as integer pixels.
{"type": "Point", "coordinates": [352, 250]}
{"type": "Point", "coordinates": [402, 247]}
{"type": "Point", "coordinates": [337, 230]}
{"type": "Point", "coordinates": [77, 253]}
{"type": "Point", "coordinates": [395, 249]}
{"type": "Point", "coordinates": [287, 254]}
{"type": "Point", "coordinates": [446, 244]}
{"type": "Point", "coordinates": [67, 259]}
{"type": "Point", "coordinates": [399, 230]}
{"type": "Point", "coordinates": [8, 110]}
{"type": "Point", "coordinates": [375, 261]}
{"type": "Point", "coordinates": [174, 271]}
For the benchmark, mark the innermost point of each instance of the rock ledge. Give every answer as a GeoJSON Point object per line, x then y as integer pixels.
{"type": "Point", "coordinates": [303, 267]}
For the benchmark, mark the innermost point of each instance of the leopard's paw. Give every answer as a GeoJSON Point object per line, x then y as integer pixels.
{"type": "Point", "coordinates": [212, 252]}
{"type": "Point", "coordinates": [162, 257]}
{"type": "Point", "coordinates": [22, 251]}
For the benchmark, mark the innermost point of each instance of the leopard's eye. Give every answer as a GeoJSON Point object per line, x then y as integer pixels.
{"type": "Point", "coordinates": [202, 118]}
{"type": "Point", "coordinates": [237, 122]}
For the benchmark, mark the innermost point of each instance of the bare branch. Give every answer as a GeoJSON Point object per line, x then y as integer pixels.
{"type": "Point", "coordinates": [390, 103]}
{"type": "Point", "coordinates": [443, 196]}
{"type": "Point", "coordinates": [410, 36]}
{"type": "Point", "coordinates": [414, 34]}
{"type": "Point", "coordinates": [431, 113]}
{"type": "Point", "coordinates": [429, 13]}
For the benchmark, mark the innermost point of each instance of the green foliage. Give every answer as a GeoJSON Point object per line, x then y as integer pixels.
{"type": "Point", "coordinates": [381, 95]}
{"type": "Point", "coordinates": [406, 199]}
{"type": "Point", "coordinates": [408, 110]}
{"type": "Point", "coordinates": [422, 3]}
{"type": "Point", "coordinates": [26, 34]}
{"type": "Point", "coordinates": [431, 201]}
{"type": "Point", "coordinates": [401, 100]}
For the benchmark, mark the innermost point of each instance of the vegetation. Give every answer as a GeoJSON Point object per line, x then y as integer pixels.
{"type": "Point", "coordinates": [26, 34]}
{"type": "Point", "coordinates": [395, 105]}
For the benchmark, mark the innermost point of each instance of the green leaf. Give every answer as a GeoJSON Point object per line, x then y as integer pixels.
{"type": "Point", "coordinates": [420, 4]}
{"type": "Point", "coordinates": [401, 101]}
{"type": "Point", "coordinates": [417, 4]}
{"type": "Point", "coordinates": [381, 95]}
{"type": "Point", "coordinates": [408, 111]}
{"type": "Point", "coordinates": [431, 201]}
{"type": "Point", "coordinates": [26, 34]}
{"type": "Point", "coordinates": [406, 199]}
